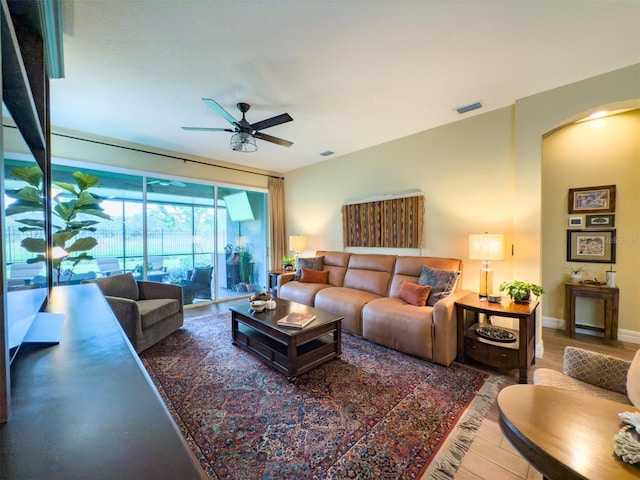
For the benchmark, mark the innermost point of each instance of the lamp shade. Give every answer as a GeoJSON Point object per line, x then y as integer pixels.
{"type": "Point", "coordinates": [297, 243]}
{"type": "Point", "coordinates": [486, 246]}
{"type": "Point", "coordinates": [243, 142]}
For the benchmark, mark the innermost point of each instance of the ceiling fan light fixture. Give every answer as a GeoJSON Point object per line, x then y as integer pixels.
{"type": "Point", "coordinates": [243, 142]}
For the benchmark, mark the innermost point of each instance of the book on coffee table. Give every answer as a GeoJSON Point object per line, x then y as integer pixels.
{"type": "Point", "coordinates": [296, 319]}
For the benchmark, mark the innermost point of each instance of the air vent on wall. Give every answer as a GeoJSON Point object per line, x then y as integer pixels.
{"type": "Point", "coordinates": [468, 108]}
{"type": "Point", "coordinates": [326, 153]}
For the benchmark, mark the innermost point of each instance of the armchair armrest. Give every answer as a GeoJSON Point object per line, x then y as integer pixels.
{"type": "Point", "coordinates": [128, 315]}
{"type": "Point", "coordinates": [599, 369]}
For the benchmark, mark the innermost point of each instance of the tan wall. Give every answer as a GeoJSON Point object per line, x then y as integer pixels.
{"type": "Point", "coordinates": [479, 174]}
{"type": "Point", "coordinates": [598, 152]}
{"type": "Point", "coordinates": [477, 198]}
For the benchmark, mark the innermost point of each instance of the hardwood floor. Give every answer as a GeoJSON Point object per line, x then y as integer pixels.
{"type": "Point", "coordinates": [491, 456]}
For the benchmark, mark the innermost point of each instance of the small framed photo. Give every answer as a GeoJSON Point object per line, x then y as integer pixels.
{"type": "Point", "coordinates": [601, 221]}
{"type": "Point", "coordinates": [592, 199]}
{"type": "Point", "coordinates": [593, 246]}
{"type": "Point", "coordinates": [576, 221]}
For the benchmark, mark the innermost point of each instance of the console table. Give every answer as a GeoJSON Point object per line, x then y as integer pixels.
{"type": "Point", "coordinates": [508, 356]}
{"type": "Point", "coordinates": [86, 408]}
{"type": "Point", "coordinates": [610, 295]}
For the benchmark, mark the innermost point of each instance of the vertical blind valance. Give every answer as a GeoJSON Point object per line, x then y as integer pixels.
{"type": "Point", "coordinates": [395, 222]}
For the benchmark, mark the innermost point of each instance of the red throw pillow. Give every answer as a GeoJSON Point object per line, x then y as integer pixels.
{"type": "Point", "coordinates": [314, 276]}
{"type": "Point", "coordinates": [413, 293]}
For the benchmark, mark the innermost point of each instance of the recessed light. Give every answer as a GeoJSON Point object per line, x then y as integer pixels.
{"type": "Point", "coordinates": [599, 114]}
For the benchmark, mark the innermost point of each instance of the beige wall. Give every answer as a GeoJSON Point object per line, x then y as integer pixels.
{"type": "Point", "coordinates": [480, 174]}
{"type": "Point", "coordinates": [599, 152]}
{"type": "Point", "coordinates": [477, 198]}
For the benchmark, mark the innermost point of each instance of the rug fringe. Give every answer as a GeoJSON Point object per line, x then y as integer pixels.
{"type": "Point", "coordinates": [449, 457]}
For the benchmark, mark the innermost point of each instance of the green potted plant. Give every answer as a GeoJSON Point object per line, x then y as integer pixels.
{"type": "Point", "coordinates": [288, 262]}
{"type": "Point", "coordinates": [67, 228]}
{"type": "Point", "coordinates": [575, 273]}
{"type": "Point", "coordinates": [521, 292]}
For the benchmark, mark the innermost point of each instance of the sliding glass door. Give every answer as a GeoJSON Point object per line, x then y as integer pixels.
{"type": "Point", "coordinates": [209, 239]}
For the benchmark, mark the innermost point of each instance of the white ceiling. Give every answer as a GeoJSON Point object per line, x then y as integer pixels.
{"type": "Point", "coordinates": [352, 74]}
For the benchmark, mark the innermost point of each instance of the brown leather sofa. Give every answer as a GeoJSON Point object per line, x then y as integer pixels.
{"type": "Point", "coordinates": [364, 288]}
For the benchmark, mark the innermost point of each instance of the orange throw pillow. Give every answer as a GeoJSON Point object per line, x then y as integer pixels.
{"type": "Point", "coordinates": [413, 293]}
{"type": "Point", "coordinates": [314, 276]}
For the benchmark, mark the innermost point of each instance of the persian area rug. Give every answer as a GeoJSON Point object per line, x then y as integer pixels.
{"type": "Point", "coordinates": [374, 413]}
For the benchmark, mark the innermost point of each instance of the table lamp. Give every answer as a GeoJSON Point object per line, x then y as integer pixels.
{"type": "Point", "coordinates": [486, 247]}
{"type": "Point", "coordinates": [297, 243]}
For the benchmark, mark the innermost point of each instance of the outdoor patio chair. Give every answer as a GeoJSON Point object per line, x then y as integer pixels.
{"type": "Point", "coordinates": [157, 262]}
{"type": "Point", "coordinates": [199, 283]}
{"type": "Point", "coordinates": [109, 266]}
{"type": "Point", "coordinates": [23, 273]}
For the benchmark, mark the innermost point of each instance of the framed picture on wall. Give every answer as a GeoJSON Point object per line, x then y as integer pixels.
{"type": "Point", "coordinates": [592, 199]}
{"type": "Point", "coordinates": [593, 246]}
{"type": "Point", "coordinates": [601, 221]}
{"type": "Point", "coordinates": [576, 221]}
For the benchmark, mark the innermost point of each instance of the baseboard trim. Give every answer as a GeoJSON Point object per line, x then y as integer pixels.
{"type": "Point", "coordinates": [630, 336]}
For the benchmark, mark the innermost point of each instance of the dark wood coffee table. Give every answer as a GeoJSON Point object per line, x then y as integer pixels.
{"type": "Point", "coordinates": [564, 434]}
{"type": "Point", "coordinates": [292, 351]}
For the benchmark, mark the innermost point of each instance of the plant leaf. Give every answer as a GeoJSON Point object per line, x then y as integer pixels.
{"type": "Point", "coordinates": [68, 187]}
{"type": "Point", "coordinates": [31, 175]}
{"type": "Point", "coordinates": [85, 180]}
{"type": "Point", "coordinates": [34, 245]}
{"type": "Point", "coordinates": [82, 244]}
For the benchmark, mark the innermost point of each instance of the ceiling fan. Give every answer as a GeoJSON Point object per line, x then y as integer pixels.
{"type": "Point", "coordinates": [245, 133]}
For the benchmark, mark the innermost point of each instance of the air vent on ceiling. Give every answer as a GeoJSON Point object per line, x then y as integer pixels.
{"type": "Point", "coordinates": [468, 108]}
{"type": "Point", "coordinates": [326, 153]}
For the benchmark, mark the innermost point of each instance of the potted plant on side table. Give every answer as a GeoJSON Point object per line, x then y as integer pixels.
{"type": "Point", "coordinates": [521, 292]}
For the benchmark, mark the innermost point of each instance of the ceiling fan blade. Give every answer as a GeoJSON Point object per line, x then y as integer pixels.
{"type": "Point", "coordinates": [221, 111]}
{"type": "Point", "coordinates": [272, 122]}
{"type": "Point", "coordinates": [205, 129]}
{"type": "Point", "coordinates": [269, 138]}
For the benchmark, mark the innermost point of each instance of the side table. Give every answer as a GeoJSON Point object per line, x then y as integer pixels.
{"type": "Point", "coordinates": [273, 281]}
{"type": "Point", "coordinates": [610, 295]}
{"type": "Point", "coordinates": [508, 356]}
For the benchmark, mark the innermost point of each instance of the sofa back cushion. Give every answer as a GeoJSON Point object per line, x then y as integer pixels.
{"type": "Point", "coordinates": [123, 286]}
{"type": "Point", "coordinates": [336, 264]}
{"type": "Point", "coordinates": [370, 273]}
{"type": "Point", "coordinates": [410, 268]}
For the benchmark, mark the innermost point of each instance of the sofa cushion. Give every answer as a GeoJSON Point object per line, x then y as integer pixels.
{"type": "Point", "coordinates": [123, 286]}
{"type": "Point", "coordinates": [371, 273]}
{"type": "Point", "coordinates": [633, 380]}
{"type": "Point", "coordinates": [299, 292]}
{"type": "Point", "coordinates": [442, 282]}
{"type": "Point", "coordinates": [347, 302]}
{"type": "Point", "coordinates": [314, 276]}
{"type": "Point", "coordinates": [336, 263]}
{"type": "Point", "coordinates": [156, 310]}
{"type": "Point", "coordinates": [414, 294]}
{"type": "Point", "coordinates": [310, 263]}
